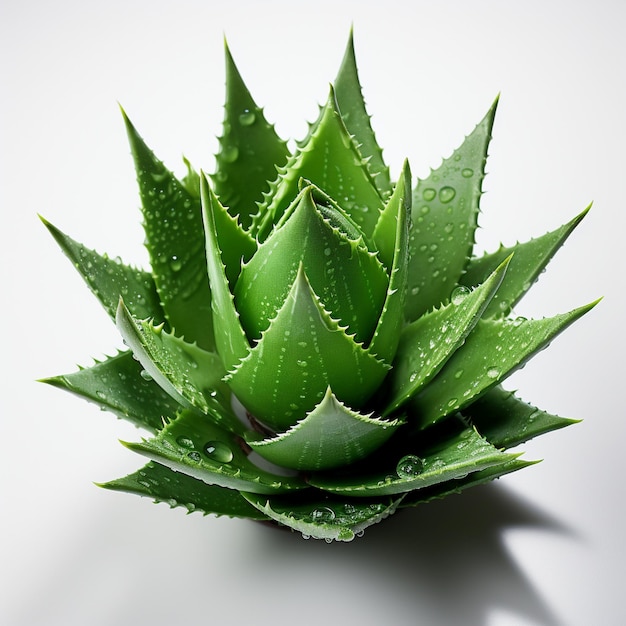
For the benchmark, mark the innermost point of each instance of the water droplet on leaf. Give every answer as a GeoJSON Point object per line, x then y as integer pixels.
{"type": "Point", "coordinates": [429, 194]}
{"type": "Point", "coordinates": [218, 451]}
{"type": "Point", "coordinates": [247, 118]}
{"type": "Point", "coordinates": [446, 194]}
{"type": "Point", "coordinates": [467, 172]}
{"type": "Point", "coordinates": [409, 466]}
{"type": "Point", "coordinates": [230, 154]}
{"type": "Point", "coordinates": [459, 294]}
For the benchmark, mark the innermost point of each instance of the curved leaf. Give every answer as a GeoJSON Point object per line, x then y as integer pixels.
{"type": "Point", "coordinates": [529, 260]}
{"type": "Point", "coordinates": [195, 446]}
{"type": "Point", "coordinates": [451, 457]}
{"type": "Point", "coordinates": [427, 343]}
{"type": "Point", "coordinates": [165, 485]}
{"type": "Point", "coordinates": [491, 352]}
{"type": "Point", "coordinates": [192, 376]}
{"type": "Point", "coordinates": [331, 435]}
{"type": "Point", "coordinates": [506, 421]}
{"type": "Point", "coordinates": [230, 339]}
{"type": "Point", "coordinates": [110, 280]}
{"type": "Point", "coordinates": [117, 385]}
{"type": "Point", "coordinates": [324, 518]}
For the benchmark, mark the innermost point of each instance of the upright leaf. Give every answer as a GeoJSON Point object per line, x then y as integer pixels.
{"type": "Point", "coordinates": [445, 209]}
{"type": "Point", "coordinates": [250, 150]}
{"type": "Point", "coordinates": [175, 242]}
{"type": "Point", "coordinates": [354, 115]}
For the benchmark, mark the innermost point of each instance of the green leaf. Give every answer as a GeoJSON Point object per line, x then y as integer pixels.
{"type": "Point", "coordinates": [191, 180]}
{"type": "Point", "coordinates": [235, 244]}
{"type": "Point", "coordinates": [230, 339]}
{"type": "Point", "coordinates": [175, 242]}
{"type": "Point", "coordinates": [529, 260]}
{"type": "Point", "coordinates": [445, 209]}
{"type": "Point", "coordinates": [195, 446]}
{"type": "Point", "coordinates": [165, 485]}
{"type": "Point", "coordinates": [427, 343]}
{"type": "Point", "coordinates": [451, 455]}
{"type": "Point", "coordinates": [491, 352]}
{"type": "Point", "coordinates": [117, 385]}
{"type": "Point", "coordinates": [441, 490]}
{"type": "Point", "coordinates": [297, 358]}
{"type": "Point", "coordinates": [346, 276]}
{"type": "Point", "coordinates": [250, 150]}
{"type": "Point", "coordinates": [110, 279]}
{"type": "Point", "coordinates": [393, 227]}
{"type": "Point", "coordinates": [331, 435]}
{"type": "Point", "coordinates": [506, 421]}
{"type": "Point", "coordinates": [348, 181]}
{"type": "Point", "coordinates": [357, 121]}
{"type": "Point", "coordinates": [324, 518]}
{"type": "Point", "coordinates": [189, 374]}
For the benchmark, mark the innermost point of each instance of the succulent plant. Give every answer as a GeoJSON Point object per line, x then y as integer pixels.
{"type": "Point", "coordinates": [313, 344]}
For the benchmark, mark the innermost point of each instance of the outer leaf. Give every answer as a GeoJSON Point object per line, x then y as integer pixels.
{"type": "Point", "coordinates": [492, 351]}
{"type": "Point", "coordinates": [349, 280]}
{"type": "Point", "coordinates": [165, 485]}
{"type": "Point", "coordinates": [348, 180]}
{"type": "Point", "coordinates": [230, 338]}
{"type": "Point", "coordinates": [173, 226]}
{"type": "Point", "coordinates": [474, 479]}
{"type": "Point", "coordinates": [325, 518]}
{"type": "Point", "coordinates": [428, 343]}
{"type": "Point", "coordinates": [189, 374]}
{"type": "Point", "coordinates": [507, 421]}
{"type": "Point", "coordinates": [308, 352]}
{"type": "Point", "coordinates": [529, 260]}
{"type": "Point", "coordinates": [250, 150]}
{"type": "Point", "coordinates": [354, 115]}
{"type": "Point", "coordinates": [445, 208]}
{"type": "Point", "coordinates": [331, 435]}
{"type": "Point", "coordinates": [117, 385]}
{"type": "Point", "coordinates": [195, 446]}
{"type": "Point", "coordinates": [461, 452]}
{"type": "Point", "coordinates": [110, 279]}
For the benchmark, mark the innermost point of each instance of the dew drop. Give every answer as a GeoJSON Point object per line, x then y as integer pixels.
{"type": "Point", "coordinates": [459, 294]}
{"type": "Point", "coordinates": [146, 375]}
{"type": "Point", "coordinates": [218, 451]}
{"type": "Point", "coordinates": [101, 395]}
{"type": "Point", "coordinates": [446, 194]}
{"type": "Point", "coordinates": [323, 514]}
{"type": "Point", "coordinates": [429, 194]}
{"type": "Point", "coordinates": [194, 456]}
{"type": "Point", "coordinates": [176, 264]}
{"type": "Point", "coordinates": [247, 118]}
{"type": "Point", "coordinates": [185, 442]}
{"type": "Point", "coordinates": [467, 172]}
{"type": "Point", "coordinates": [230, 154]}
{"type": "Point", "coordinates": [458, 373]}
{"type": "Point", "coordinates": [409, 466]}
{"type": "Point", "coordinates": [301, 363]}
{"type": "Point", "coordinates": [493, 372]}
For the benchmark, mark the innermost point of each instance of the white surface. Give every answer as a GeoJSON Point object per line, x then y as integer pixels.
{"type": "Point", "coordinates": [545, 546]}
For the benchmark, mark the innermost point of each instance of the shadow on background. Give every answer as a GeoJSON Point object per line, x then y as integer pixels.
{"type": "Point", "coordinates": [445, 563]}
{"type": "Point", "coordinates": [441, 564]}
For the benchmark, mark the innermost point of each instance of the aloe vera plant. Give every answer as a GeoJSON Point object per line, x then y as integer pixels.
{"type": "Point", "coordinates": [314, 344]}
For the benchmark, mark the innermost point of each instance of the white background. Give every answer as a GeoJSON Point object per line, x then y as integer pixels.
{"type": "Point", "coordinates": [544, 546]}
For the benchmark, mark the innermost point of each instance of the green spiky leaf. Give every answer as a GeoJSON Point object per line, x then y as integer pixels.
{"type": "Point", "coordinates": [162, 484]}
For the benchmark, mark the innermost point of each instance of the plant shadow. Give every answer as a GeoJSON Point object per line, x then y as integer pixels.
{"type": "Point", "coordinates": [445, 563]}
